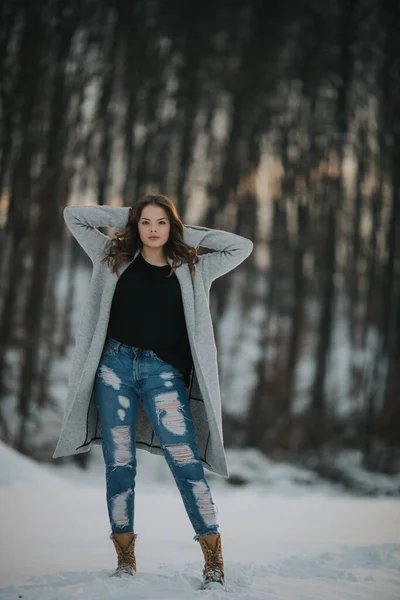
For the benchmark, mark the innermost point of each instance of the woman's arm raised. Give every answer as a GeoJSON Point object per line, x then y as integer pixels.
{"type": "Point", "coordinates": [230, 249]}
{"type": "Point", "coordinates": [83, 220]}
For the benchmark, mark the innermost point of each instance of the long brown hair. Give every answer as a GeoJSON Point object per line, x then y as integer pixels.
{"type": "Point", "coordinates": [125, 243]}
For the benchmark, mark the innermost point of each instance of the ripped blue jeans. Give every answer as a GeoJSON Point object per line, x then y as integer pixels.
{"type": "Point", "coordinates": [124, 375]}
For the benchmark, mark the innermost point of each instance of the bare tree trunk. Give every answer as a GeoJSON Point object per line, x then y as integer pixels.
{"type": "Point", "coordinates": [263, 413]}
{"type": "Point", "coordinates": [66, 311]}
{"type": "Point", "coordinates": [356, 255]}
{"type": "Point", "coordinates": [299, 297]}
{"type": "Point", "coordinates": [317, 431]}
{"type": "Point", "coordinates": [105, 113]}
{"type": "Point", "coordinates": [8, 19]}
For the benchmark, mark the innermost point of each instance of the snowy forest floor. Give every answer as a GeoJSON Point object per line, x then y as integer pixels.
{"type": "Point", "coordinates": [280, 542]}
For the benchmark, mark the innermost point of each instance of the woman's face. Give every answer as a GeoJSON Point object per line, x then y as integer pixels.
{"type": "Point", "coordinates": [154, 221]}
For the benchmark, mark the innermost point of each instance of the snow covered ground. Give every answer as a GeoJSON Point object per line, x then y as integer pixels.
{"type": "Point", "coordinates": [281, 541]}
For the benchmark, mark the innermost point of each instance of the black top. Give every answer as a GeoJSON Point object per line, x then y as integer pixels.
{"type": "Point", "coordinates": [147, 312]}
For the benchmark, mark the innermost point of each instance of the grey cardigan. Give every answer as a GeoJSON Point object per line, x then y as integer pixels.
{"type": "Point", "coordinates": [81, 425]}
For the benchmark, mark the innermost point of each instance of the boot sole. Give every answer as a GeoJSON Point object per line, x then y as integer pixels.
{"type": "Point", "coordinates": [213, 585]}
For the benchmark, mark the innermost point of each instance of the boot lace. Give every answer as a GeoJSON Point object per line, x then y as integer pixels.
{"type": "Point", "coordinates": [214, 566]}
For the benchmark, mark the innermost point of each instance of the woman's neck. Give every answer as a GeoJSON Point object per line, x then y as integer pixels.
{"type": "Point", "coordinates": [154, 256]}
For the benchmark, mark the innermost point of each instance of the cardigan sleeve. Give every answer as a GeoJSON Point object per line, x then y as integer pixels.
{"type": "Point", "coordinates": [83, 220]}
{"type": "Point", "coordinates": [230, 249]}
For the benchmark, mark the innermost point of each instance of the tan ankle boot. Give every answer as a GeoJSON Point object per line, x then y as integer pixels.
{"type": "Point", "coordinates": [126, 557]}
{"type": "Point", "coordinates": [213, 571]}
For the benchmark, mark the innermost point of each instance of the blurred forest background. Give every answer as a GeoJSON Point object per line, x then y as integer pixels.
{"type": "Point", "coordinates": [277, 121]}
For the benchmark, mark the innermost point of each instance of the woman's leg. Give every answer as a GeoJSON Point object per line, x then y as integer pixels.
{"type": "Point", "coordinates": [166, 402]}
{"type": "Point", "coordinates": [118, 402]}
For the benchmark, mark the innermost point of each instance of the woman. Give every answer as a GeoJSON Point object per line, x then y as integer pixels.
{"type": "Point", "coordinates": [144, 371]}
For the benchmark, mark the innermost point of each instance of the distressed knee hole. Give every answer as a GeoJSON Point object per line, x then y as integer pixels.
{"type": "Point", "coordinates": [119, 510]}
{"type": "Point", "coordinates": [122, 445]}
{"type": "Point", "coordinates": [124, 401]}
{"type": "Point", "coordinates": [182, 454]}
{"type": "Point", "coordinates": [109, 377]}
{"type": "Point", "coordinates": [173, 419]}
{"type": "Point", "coordinates": [167, 375]}
{"type": "Point", "coordinates": [202, 494]}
